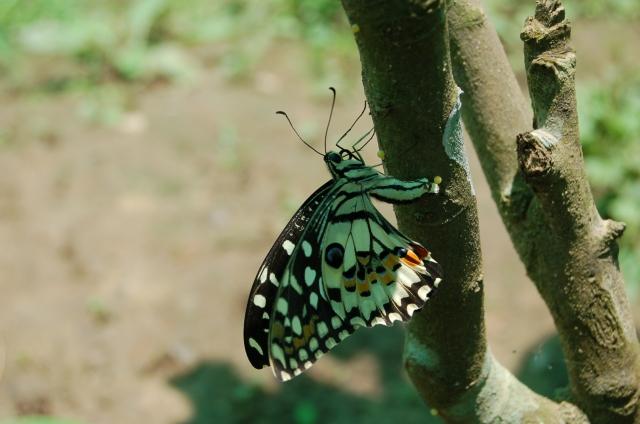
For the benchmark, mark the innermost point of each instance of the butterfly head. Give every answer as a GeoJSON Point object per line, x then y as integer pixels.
{"type": "Point", "coordinates": [342, 161]}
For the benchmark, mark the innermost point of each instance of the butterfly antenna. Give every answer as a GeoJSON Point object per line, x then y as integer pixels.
{"type": "Point", "coordinates": [352, 125]}
{"type": "Point", "coordinates": [326, 131]}
{"type": "Point", "coordinates": [296, 132]}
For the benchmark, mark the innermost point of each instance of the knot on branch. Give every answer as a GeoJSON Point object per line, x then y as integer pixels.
{"type": "Point", "coordinates": [549, 12]}
{"type": "Point", "coordinates": [615, 229]}
{"type": "Point", "coordinates": [562, 62]}
{"type": "Point", "coordinates": [548, 27]}
{"type": "Point", "coordinates": [611, 231]}
{"type": "Point", "coordinates": [534, 154]}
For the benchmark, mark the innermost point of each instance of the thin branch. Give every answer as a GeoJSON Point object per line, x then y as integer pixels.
{"type": "Point", "coordinates": [569, 251]}
{"type": "Point", "coordinates": [482, 70]}
{"type": "Point", "coordinates": [586, 297]}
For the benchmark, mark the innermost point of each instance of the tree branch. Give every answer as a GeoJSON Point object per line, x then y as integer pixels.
{"type": "Point", "coordinates": [404, 52]}
{"type": "Point", "coordinates": [569, 251]}
{"type": "Point", "coordinates": [482, 70]}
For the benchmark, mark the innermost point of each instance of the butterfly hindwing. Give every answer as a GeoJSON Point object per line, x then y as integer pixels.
{"type": "Point", "coordinates": [351, 268]}
{"type": "Point", "coordinates": [267, 281]}
{"type": "Point", "coordinates": [384, 276]}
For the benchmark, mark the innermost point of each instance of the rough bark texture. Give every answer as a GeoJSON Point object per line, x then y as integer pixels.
{"type": "Point", "coordinates": [404, 51]}
{"type": "Point", "coordinates": [541, 190]}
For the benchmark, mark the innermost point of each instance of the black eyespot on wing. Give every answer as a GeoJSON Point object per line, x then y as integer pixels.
{"type": "Point", "coordinates": [401, 252]}
{"type": "Point", "coordinates": [334, 254]}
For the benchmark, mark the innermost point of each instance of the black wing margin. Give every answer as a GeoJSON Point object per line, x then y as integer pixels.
{"type": "Point", "coordinates": [265, 286]}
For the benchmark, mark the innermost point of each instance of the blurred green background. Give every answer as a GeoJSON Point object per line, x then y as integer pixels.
{"type": "Point", "coordinates": [139, 152]}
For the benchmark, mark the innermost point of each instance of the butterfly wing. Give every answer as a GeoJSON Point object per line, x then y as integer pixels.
{"type": "Point", "coordinates": [351, 268]}
{"type": "Point", "coordinates": [266, 284]}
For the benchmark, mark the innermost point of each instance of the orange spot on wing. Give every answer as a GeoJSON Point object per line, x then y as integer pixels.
{"type": "Point", "coordinates": [348, 284]}
{"type": "Point", "coordinates": [309, 330]}
{"type": "Point", "coordinates": [411, 259]}
{"type": "Point", "coordinates": [277, 331]}
{"type": "Point", "coordinates": [363, 287]}
{"type": "Point", "coordinates": [390, 261]}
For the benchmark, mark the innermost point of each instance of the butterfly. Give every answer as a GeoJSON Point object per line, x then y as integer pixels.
{"type": "Point", "coordinates": [338, 265]}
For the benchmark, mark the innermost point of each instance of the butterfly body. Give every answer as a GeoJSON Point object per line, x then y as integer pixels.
{"type": "Point", "coordinates": [337, 266]}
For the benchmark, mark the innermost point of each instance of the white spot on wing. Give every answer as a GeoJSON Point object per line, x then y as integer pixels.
{"type": "Point", "coordinates": [423, 292]}
{"type": "Point", "coordinates": [297, 328]}
{"type": "Point", "coordinates": [263, 275]}
{"type": "Point", "coordinates": [313, 300]}
{"type": "Point", "coordinates": [306, 247]}
{"type": "Point", "coordinates": [313, 344]}
{"type": "Point", "coordinates": [259, 300]}
{"type": "Point", "coordinates": [378, 321]}
{"type": "Point", "coordinates": [277, 353]}
{"type": "Point", "coordinates": [336, 322]}
{"type": "Point", "coordinates": [407, 276]}
{"type": "Point", "coordinates": [323, 330]}
{"type": "Point", "coordinates": [273, 279]}
{"type": "Point", "coordinates": [411, 308]}
{"type": "Point", "coordinates": [394, 316]}
{"type": "Point", "coordinates": [282, 306]}
{"type": "Point", "coordinates": [302, 354]}
{"type": "Point", "coordinates": [254, 344]}
{"type": "Point", "coordinates": [288, 246]}
{"type": "Point", "coordinates": [357, 322]}
{"type": "Point", "coordinates": [309, 275]}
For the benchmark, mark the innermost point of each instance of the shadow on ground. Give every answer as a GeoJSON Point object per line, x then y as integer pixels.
{"type": "Point", "coordinates": [219, 395]}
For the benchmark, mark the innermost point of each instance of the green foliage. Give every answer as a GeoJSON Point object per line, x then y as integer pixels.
{"type": "Point", "coordinates": [151, 40]}
{"type": "Point", "coordinates": [37, 420]}
{"type": "Point", "coordinates": [610, 134]}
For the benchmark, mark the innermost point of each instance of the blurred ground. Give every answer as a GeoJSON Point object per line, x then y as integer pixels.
{"type": "Point", "coordinates": [129, 250]}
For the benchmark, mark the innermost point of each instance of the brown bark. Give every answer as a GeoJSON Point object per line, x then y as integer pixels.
{"type": "Point", "coordinates": [543, 195]}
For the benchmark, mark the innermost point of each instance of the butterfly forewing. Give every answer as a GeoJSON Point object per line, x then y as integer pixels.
{"type": "Point", "coordinates": [265, 286]}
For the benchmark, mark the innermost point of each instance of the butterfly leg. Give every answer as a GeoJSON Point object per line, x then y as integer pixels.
{"type": "Point", "coordinates": [393, 190]}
